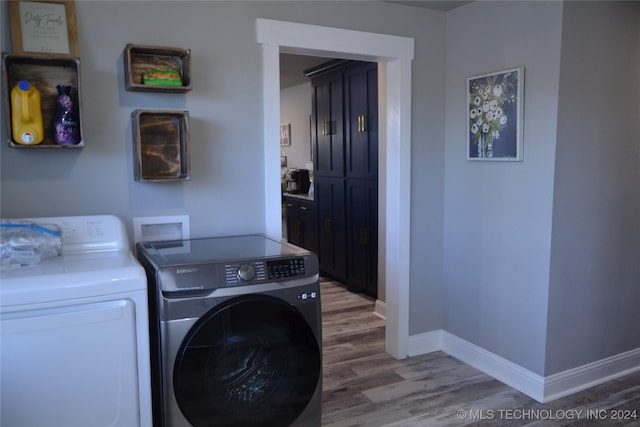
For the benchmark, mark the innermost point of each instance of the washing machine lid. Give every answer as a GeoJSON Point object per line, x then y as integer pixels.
{"type": "Point", "coordinates": [70, 277]}
{"type": "Point", "coordinates": [219, 249]}
{"type": "Point", "coordinates": [96, 261]}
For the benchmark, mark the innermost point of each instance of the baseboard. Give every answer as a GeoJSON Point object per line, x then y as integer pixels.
{"type": "Point", "coordinates": [427, 342]}
{"type": "Point", "coordinates": [380, 309]}
{"type": "Point", "coordinates": [503, 370]}
{"type": "Point", "coordinates": [543, 389]}
{"type": "Point", "coordinates": [586, 376]}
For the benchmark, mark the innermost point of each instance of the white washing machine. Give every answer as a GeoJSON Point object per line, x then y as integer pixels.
{"type": "Point", "coordinates": [74, 344]}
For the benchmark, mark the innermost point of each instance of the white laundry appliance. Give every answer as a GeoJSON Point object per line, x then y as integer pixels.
{"type": "Point", "coordinates": [74, 337]}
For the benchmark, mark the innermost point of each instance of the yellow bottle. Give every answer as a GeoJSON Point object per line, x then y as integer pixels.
{"type": "Point", "coordinates": [26, 114]}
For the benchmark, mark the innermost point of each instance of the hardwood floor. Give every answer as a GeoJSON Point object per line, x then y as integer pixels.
{"type": "Point", "coordinates": [364, 386]}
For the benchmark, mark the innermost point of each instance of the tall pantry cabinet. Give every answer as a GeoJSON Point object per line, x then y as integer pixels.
{"type": "Point", "coordinates": [344, 130]}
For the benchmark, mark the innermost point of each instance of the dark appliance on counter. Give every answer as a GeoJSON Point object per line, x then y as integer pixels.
{"type": "Point", "coordinates": [298, 182]}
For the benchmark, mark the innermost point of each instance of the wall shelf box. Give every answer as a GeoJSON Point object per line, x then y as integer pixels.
{"type": "Point", "coordinates": [139, 59]}
{"type": "Point", "coordinates": [44, 73]}
{"type": "Point", "coordinates": [161, 145]}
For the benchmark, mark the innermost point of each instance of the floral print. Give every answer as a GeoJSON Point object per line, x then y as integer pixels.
{"type": "Point", "coordinates": [489, 100]}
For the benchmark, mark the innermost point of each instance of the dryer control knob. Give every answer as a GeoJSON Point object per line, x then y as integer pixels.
{"type": "Point", "coordinates": [246, 272]}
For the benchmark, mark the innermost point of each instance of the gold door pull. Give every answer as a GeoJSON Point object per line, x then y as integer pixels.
{"type": "Point", "coordinates": [362, 123]}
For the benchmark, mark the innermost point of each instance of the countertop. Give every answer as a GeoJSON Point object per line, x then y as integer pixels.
{"type": "Point", "coordinates": [299, 196]}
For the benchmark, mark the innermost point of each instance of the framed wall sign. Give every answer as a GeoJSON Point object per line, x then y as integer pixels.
{"type": "Point", "coordinates": [494, 115]}
{"type": "Point", "coordinates": [44, 27]}
{"type": "Point", "coordinates": [285, 135]}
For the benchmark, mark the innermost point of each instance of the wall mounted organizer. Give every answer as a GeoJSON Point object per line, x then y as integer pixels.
{"type": "Point", "coordinates": [140, 59]}
{"type": "Point", "coordinates": [161, 145]}
{"type": "Point", "coordinates": [45, 74]}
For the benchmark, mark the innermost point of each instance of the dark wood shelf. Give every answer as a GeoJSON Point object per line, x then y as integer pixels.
{"type": "Point", "coordinates": [161, 145]}
{"type": "Point", "coordinates": [44, 73]}
{"type": "Point", "coordinates": [139, 59]}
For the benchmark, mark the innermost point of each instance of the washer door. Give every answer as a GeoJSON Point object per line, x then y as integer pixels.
{"type": "Point", "coordinates": [251, 361]}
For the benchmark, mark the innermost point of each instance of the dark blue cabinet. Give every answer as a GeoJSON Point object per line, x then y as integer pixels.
{"type": "Point", "coordinates": [361, 109]}
{"type": "Point", "coordinates": [327, 131]}
{"type": "Point", "coordinates": [344, 135]}
{"type": "Point", "coordinates": [362, 235]}
{"type": "Point", "coordinates": [301, 222]}
{"type": "Point", "coordinates": [332, 227]}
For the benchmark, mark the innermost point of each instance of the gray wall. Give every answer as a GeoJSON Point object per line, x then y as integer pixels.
{"type": "Point", "coordinates": [497, 257]}
{"type": "Point", "coordinates": [594, 285]}
{"type": "Point", "coordinates": [498, 214]}
{"type": "Point", "coordinates": [225, 195]}
{"type": "Point", "coordinates": [541, 257]}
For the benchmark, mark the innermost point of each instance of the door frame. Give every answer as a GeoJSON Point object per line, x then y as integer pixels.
{"type": "Point", "coordinates": [394, 55]}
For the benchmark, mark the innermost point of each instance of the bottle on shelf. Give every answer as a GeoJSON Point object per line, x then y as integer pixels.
{"type": "Point", "coordinates": [26, 114]}
{"type": "Point", "coordinates": [66, 128]}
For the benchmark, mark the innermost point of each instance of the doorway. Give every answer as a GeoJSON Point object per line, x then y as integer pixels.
{"type": "Point", "coordinates": [394, 55]}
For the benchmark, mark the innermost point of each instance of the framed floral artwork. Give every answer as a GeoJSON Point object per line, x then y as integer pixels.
{"type": "Point", "coordinates": [494, 115]}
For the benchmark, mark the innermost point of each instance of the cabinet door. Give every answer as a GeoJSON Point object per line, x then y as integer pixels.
{"type": "Point", "coordinates": [361, 105]}
{"type": "Point", "coordinates": [308, 224]}
{"type": "Point", "coordinates": [293, 227]}
{"type": "Point", "coordinates": [327, 124]}
{"type": "Point", "coordinates": [330, 204]}
{"type": "Point", "coordinates": [362, 235]}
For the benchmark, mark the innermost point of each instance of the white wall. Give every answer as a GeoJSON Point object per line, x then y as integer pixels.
{"type": "Point", "coordinates": [295, 109]}
{"type": "Point", "coordinates": [497, 215]}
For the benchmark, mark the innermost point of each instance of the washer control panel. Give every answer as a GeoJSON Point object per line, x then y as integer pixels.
{"type": "Point", "coordinates": [257, 271]}
{"type": "Point", "coordinates": [235, 273]}
{"type": "Point", "coordinates": [285, 268]}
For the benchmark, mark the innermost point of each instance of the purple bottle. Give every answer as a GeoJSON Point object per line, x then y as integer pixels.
{"type": "Point", "coordinates": [66, 126]}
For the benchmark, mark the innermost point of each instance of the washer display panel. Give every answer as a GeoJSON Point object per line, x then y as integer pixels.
{"type": "Point", "coordinates": [252, 361]}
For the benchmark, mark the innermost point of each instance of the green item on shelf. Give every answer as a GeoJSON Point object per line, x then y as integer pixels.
{"type": "Point", "coordinates": [168, 77]}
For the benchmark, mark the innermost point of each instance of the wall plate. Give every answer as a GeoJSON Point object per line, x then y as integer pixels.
{"type": "Point", "coordinates": [156, 228]}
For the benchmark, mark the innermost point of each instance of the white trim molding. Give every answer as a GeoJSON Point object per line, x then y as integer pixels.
{"type": "Point", "coordinates": [541, 388]}
{"type": "Point", "coordinates": [589, 375]}
{"type": "Point", "coordinates": [380, 309]}
{"type": "Point", "coordinates": [396, 54]}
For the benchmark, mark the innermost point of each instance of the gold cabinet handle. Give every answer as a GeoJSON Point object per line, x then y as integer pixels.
{"type": "Point", "coordinates": [327, 127]}
{"type": "Point", "coordinates": [362, 123]}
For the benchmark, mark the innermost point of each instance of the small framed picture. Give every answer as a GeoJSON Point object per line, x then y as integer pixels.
{"type": "Point", "coordinates": [285, 135]}
{"type": "Point", "coordinates": [494, 116]}
{"type": "Point", "coordinates": [44, 27]}
{"type": "Point", "coordinates": [283, 161]}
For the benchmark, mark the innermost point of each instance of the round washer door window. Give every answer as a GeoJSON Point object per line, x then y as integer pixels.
{"type": "Point", "coordinates": [252, 361]}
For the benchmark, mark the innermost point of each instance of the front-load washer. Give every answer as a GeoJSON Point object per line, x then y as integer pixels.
{"type": "Point", "coordinates": [74, 340]}
{"type": "Point", "coordinates": [236, 335]}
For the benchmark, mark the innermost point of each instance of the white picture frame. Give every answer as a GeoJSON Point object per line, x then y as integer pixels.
{"type": "Point", "coordinates": [495, 115]}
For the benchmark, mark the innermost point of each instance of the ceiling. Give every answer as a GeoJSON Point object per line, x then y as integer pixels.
{"type": "Point", "coordinates": [292, 66]}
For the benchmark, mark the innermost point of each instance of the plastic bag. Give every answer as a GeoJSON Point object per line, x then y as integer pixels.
{"type": "Point", "coordinates": [26, 243]}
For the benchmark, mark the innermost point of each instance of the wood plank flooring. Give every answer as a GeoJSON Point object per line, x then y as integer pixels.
{"type": "Point", "coordinates": [364, 386]}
